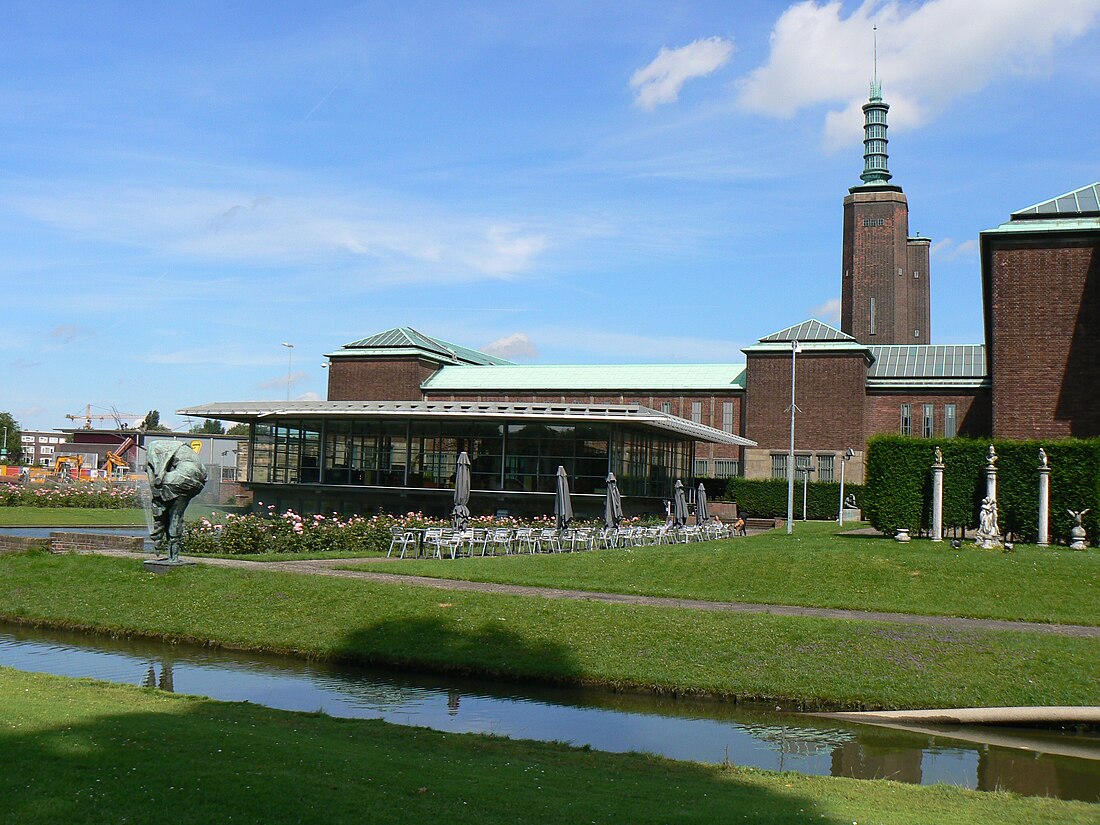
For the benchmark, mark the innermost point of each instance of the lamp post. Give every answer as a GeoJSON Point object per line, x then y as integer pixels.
{"type": "Point", "coordinates": [289, 363]}
{"type": "Point", "coordinates": [848, 454]}
{"type": "Point", "coordinates": [805, 486]}
{"type": "Point", "coordinates": [795, 349]}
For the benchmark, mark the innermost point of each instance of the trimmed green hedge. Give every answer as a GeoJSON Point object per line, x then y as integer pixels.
{"type": "Point", "coordinates": [767, 498]}
{"type": "Point", "coordinates": [899, 484]}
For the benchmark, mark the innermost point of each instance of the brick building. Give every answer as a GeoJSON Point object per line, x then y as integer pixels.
{"type": "Point", "coordinates": [1034, 375]}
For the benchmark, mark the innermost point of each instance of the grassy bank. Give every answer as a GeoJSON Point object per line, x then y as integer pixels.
{"type": "Point", "coordinates": [85, 752]}
{"type": "Point", "coordinates": [816, 567]}
{"type": "Point", "coordinates": [817, 662]}
{"type": "Point", "coordinates": [70, 516]}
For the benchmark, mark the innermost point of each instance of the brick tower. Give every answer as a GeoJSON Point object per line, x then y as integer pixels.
{"type": "Point", "coordinates": [884, 295]}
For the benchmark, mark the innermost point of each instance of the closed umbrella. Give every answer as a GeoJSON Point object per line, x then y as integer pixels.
{"type": "Point", "coordinates": [679, 505]}
{"type": "Point", "coordinates": [563, 507]}
{"type": "Point", "coordinates": [701, 514]}
{"type": "Point", "coordinates": [613, 505]}
{"type": "Point", "coordinates": [460, 515]}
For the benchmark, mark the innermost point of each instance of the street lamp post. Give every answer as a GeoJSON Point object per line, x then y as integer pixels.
{"type": "Point", "coordinates": [795, 349]}
{"type": "Point", "coordinates": [289, 363]}
{"type": "Point", "coordinates": [843, 461]}
{"type": "Point", "coordinates": [805, 486]}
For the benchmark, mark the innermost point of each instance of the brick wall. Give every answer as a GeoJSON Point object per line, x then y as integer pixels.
{"type": "Point", "coordinates": [882, 412]}
{"type": "Point", "coordinates": [71, 542]}
{"type": "Point", "coordinates": [871, 257]}
{"type": "Point", "coordinates": [919, 289]}
{"type": "Point", "coordinates": [1044, 352]}
{"type": "Point", "coordinates": [21, 544]}
{"type": "Point", "coordinates": [378, 379]}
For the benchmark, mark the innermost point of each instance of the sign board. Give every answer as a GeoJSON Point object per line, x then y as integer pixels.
{"type": "Point", "coordinates": [196, 445]}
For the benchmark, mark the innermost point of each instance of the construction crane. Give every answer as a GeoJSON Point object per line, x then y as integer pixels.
{"type": "Point", "coordinates": [88, 416]}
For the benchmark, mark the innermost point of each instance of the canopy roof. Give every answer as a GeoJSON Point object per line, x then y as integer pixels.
{"type": "Point", "coordinates": [247, 411]}
{"type": "Point", "coordinates": [957, 365]}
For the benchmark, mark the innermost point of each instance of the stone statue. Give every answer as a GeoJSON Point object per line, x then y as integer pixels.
{"type": "Point", "coordinates": [1077, 534]}
{"type": "Point", "coordinates": [850, 501]}
{"type": "Point", "coordinates": [991, 458]}
{"type": "Point", "coordinates": [989, 534]}
{"type": "Point", "coordinates": [938, 457]}
{"type": "Point", "coordinates": [1044, 462]}
{"type": "Point", "coordinates": [176, 475]}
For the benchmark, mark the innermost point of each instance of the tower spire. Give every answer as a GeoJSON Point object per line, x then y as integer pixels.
{"type": "Point", "coordinates": [875, 170]}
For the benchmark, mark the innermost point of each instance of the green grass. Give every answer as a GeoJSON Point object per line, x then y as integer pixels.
{"type": "Point", "coordinates": [815, 567]}
{"type": "Point", "coordinates": [70, 516]}
{"type": "Point", "coordinates": [84, 752]}
{"type": "Point", "coordinates": [797, 661]}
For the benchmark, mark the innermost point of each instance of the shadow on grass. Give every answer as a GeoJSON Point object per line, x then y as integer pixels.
{"type": "Point", "coordinates": [87, 752]}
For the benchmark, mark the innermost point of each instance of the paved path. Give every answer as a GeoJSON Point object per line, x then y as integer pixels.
{"type": "Point", "coordinates": [328, 567]}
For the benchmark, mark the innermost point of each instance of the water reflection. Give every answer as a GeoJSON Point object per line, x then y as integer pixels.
{"type": "Point", "coordinates": [697, 730]}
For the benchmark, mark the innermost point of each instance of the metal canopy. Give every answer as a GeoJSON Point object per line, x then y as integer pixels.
{"type": "Point", "coordinates": [247, 411]}
{"type": "Point", "coordinates": [1083, 201]}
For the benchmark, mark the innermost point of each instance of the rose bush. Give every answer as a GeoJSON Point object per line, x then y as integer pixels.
{"type": "Point", "coordinates": [100, 496]}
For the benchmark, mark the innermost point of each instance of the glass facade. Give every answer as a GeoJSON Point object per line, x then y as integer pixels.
{"type": "Point", "coordinates": [504, 456]}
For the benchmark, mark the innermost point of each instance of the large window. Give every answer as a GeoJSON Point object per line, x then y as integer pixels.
{"type": "Point", "coordinates": [727, 416]}
{"type": "Point", "coordinates": [926, 422]}
{"type": "Point", "coordinates": [950, 422]}
{"type": "Point", "coordinates": [872, 317]}
{"type": "Point", "coordinates": [906, 419]}
{"type": "Point", "coordinates": [666, 407]}
{"type": "Point", "coordinates": [702, 468]}
{"type": "Point", "coordinates": [726, 468]}
{"type": "Point", "coordinates": [825, 464]}
{"type": "Point", "coordinates": [779, 465]}
{"type": "Point", "coordinates": [697, 412]}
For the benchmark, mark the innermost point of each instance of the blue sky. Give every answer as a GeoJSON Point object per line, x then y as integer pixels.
{"type": "Point", "coordinates": [185, 186]}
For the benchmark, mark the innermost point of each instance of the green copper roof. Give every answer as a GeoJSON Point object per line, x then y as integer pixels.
{"type": "Point", "coordinates": [1083, 201]}
{"type": "Point", "coordinates": [928, 361]}
{"type": "Point", "coordinates": [810, 330]}
{"type": "Point", "coordinates": [588, 377]}
{"type": "Point", "coordinates": [406, 340]}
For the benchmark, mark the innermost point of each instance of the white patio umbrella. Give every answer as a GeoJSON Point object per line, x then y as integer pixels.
{"type": "Point", "coordinates": [701, 514]}
{"type": "Point", "coordinates": [613, 504]}
{"type": "Point", "coordinates": [460, 515]}
{"type": "Point", "coordinates": [679, 505]}
{"type": "Point", "coordinates": [563, 507]}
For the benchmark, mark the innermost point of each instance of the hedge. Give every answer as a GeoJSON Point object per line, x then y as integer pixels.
{"type": "Point", "coordinates": [767, 498]}
{"type": "Point", "coordinates": [899, 484]}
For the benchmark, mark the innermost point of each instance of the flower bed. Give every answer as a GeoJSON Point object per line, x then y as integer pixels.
{"type": "Point", "coordinates": [290, 532]}
{"type": "Point", "coordinates": [98, 496]}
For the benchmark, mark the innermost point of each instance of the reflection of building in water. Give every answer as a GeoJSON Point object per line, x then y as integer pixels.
{"type": "Point", "coordinates": [1025, 773]}
{"type": "Point", "coordinates": [863, 761]}
{"type": "Point", "coordinates": [453, 697]}
{"type": "Point", "coordinates": [165, 682]}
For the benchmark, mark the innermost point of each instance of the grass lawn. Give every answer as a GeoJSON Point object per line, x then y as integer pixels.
{"type": "Point", "coordinates": [70, 516]}
{"type": "Point", "coordinates": [78, 751]}
{"type": "Point", "coordinates": [797, 661]}
{"type": "Point", "coordinates": [816, 567]}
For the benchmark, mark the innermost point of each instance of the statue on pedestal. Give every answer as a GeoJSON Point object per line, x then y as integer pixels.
{"type": "Point", "coordinates": [1077, 534]}
{"type": "Point", "coordinates": [1044, 462]}
{"type": "Point", "coordinates": [989, 535]}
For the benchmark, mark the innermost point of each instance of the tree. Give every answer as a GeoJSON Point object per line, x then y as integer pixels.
{"type": "Point", "coordinates": [151, 422]}
{"type": "Point", "coordinates": [238, 429]}
{"type": "Point", "coordinates": [209, 426]}
{"type": "Point", "coordinates": [11, 448]}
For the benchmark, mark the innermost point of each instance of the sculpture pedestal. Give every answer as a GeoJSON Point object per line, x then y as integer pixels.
{"type": "Point", "coordinates": [903, 535]}
{"type": "Point", "coordinates": [164, 565]}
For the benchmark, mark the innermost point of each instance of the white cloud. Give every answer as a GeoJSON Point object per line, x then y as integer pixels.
{"type": "Point", "coordinates": [308, 396]}
{"type": "Point", "coordinates": [661, 81]}
{"type": "Point", "coordinates": [948, 250]}
{"type": "Point", "coordinates": [283, 380]}
{"type": "Point", "coordinates": [515, 346]}
{"type": "Point", "coordinates": [928, 55]}
{"type": "Point", "coordinates": [381, 239]}
{"type": "Point", "coordinates": [829, 312]}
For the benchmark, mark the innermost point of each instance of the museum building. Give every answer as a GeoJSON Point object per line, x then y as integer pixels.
{"type": "Point", "coordinates": [402, 404]}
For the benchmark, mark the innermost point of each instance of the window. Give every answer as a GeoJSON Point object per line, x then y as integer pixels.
{"type": "Point", "coordinates": [779, 465]}
{"type": "Point", "coordinates": [825, 467]}
{"type": "Point", "coordinates": [950, 425]}
{"type": "Point", "coordinates": [666, 407]}
{"type": "Point", "coordinates": [926, 424]}
{"type": "Point", "coordinates": [44, 462]}
{"type": "Point", "coordinates": [874, 221]}
{"type": "Point", "coordinates": [697, 412]}
{"type": "Point", "coordinates": [916, 333]}
{"type": "Point", "coordinates": [702, 468]}
{"type": "Point", "coordinates": [27, 439]}
{"type": "Point", "coordinates": [46, 450]}
{"type": "Point", "coordinates": [726, 467]}
{"type": "Point", "coordinates": [801, 462]}
{"type": "Point", "coordinates": [43, 439]}
{"type": "Point", "coordinates": [906, 419]}
{"type": "Point", "coordinates": [727, 416]}
{"type": "Point", "coordinates": [872, 330]}
{"type": "Point", "coordinates": [916, 274]}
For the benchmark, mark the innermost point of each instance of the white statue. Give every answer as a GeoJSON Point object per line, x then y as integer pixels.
{"type": "Point", "coordinates": [1044, 462]}
{"type": "Point", "coordinates": [989, 534]}
{"type": "Point", "coordinates": [1077, 534]}
{"type": "Point", "coordinates": [991, 459]}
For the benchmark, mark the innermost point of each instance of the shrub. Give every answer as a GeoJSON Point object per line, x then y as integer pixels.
{"type": "Point", "coordinates": [83, 494]}
{"type": "Point", "coordinates": [899, 483]}
{"type": "Point", "coordinates": [767, 498]}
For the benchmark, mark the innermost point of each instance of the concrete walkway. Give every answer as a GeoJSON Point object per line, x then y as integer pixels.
{"type": "Point", "coordinates": [328, 567]}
